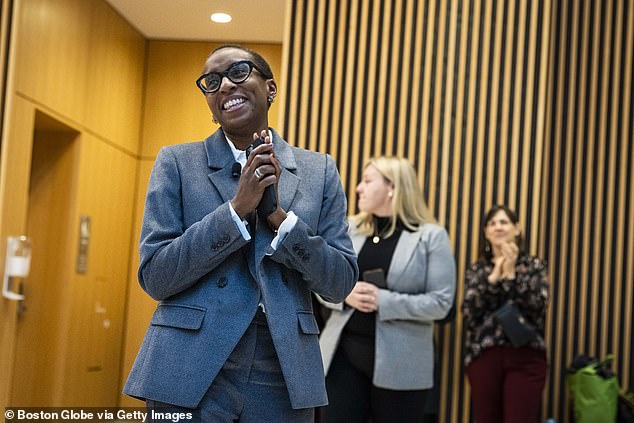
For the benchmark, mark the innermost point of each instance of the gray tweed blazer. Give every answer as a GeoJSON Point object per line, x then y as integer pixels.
{"type": "Point", "coordinates": [421, 284]}
{"type": "Point", "coordinates": [209, 280]}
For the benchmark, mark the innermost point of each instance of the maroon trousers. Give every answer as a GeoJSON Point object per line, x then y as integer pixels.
{"type": "Point", "coordinates": [506, 384]}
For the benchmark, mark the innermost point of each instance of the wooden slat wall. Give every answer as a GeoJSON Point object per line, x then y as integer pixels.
{"type": "Point", "coordinates": [586, 230]}
{"type": "Point", "coordinates": [482, 97]}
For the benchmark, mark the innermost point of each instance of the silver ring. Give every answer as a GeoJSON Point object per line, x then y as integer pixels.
{"type": "Point", "coordinates": [257, 173]}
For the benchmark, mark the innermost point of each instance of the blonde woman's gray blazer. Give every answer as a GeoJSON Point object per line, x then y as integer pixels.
{"type": "Point", "coordinates": [421, 284]}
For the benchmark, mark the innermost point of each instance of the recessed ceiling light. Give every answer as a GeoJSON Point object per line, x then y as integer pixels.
{"type": "Point", "coordinates": [220, 17]}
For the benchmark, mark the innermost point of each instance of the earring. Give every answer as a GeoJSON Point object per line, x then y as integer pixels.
{"type": "Point", "coordinates": [487, 247]}
{"type": "Point", "coordinates": [214, 120]}
{"type": "Point", "coordinates": [270, 99]}
{"type": "Point", "coordinates": [390, 194]}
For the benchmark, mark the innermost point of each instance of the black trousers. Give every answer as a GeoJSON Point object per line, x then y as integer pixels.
{"type": "Point", "coordinates": [353, 399]}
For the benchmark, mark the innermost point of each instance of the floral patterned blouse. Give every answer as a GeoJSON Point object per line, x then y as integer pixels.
{"type": "Point", "coordinates": [483, 298]}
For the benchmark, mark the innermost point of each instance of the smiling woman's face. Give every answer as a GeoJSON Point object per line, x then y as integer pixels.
{"type": "Point", "coordinates": [500, 229]}
{"type": "Point", "coordinates": [241, 109]}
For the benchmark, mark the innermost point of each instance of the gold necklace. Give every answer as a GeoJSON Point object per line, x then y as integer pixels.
{"type": "Point", "coordinates": [379, 233]}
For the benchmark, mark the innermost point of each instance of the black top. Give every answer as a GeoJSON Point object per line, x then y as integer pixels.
{"type": "Point", "coordinates": [357, 338]}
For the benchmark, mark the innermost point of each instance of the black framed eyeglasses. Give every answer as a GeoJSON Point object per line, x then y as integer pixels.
{"type": "Point", "coordinates": [237, 73]}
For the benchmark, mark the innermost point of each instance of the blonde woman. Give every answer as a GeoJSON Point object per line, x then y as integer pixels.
{"type": "Point", "coordinates": [377, 346]}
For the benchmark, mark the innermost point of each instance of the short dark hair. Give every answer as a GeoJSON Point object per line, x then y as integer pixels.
{"type": "Point", "coordinates": [486, 252]}
{"type": "Point", "coordinates": [259, 61]}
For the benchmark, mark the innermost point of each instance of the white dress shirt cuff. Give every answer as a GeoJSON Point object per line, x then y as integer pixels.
{"type": "Point", "coordinates": [287, 225]}
{"type": "Point", "coordinates": [240, 224]}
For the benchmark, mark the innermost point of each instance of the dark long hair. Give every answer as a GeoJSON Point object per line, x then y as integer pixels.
{"type": "Point", "coordinates": [486, 252]}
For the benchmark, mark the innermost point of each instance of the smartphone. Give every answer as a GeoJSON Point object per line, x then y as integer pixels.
{"type": "Point", "coordinates": [375, 276]}
{"type": "Point", "coordinates": [268, 203]}
{"type": "Point", "coordinates": [253, 145]}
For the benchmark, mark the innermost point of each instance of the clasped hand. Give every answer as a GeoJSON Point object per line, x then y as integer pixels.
{"type": "Point", "coordinates": [261, 170]}
{"type": "Point", "coordinates": [504, 263]}
{"type": "Point", "coordinates": [364, 297]}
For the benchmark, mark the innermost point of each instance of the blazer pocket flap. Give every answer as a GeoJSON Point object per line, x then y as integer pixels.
{"type": "Point", "coordinates": [179, 316]}
{"type": "Point", "coordinates": [307, 322]}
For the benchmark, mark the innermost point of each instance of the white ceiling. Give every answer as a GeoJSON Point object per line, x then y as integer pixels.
{"type": "Point", "coordinates": [253, 20]}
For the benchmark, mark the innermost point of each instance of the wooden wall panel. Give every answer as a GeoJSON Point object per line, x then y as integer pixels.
{"type": "Point", "coordinates": [115, 82]}
{"type": "Point", "coordinates": [52, 54]}
{"type": "Point", "coordinates": [82, 65]}
{"type": "Point", "coordinates": [527, 103]}
{"type": "Point", "coordinates": [140, 306]}
{"type": "Point", "coordinates": [106, 181]}
{"type": "Point", "coordinates": [586, 232]}
{"type": "Point", "coordinates": [81, 59]}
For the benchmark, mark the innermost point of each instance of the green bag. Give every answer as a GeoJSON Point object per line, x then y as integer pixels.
{"type": "Point", "coordinates": [594, 390]}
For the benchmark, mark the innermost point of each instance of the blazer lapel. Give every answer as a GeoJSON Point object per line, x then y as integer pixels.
{"type": "Point", "coordinates": [220, 160]}
{"type": "Point", "coordinates": [405, 247]}
{"type": "Point", "coordinates": [287, 187]}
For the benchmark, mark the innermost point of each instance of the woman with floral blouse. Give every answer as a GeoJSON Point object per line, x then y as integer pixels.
{"type": "Point", "coordinates": [506, 381]}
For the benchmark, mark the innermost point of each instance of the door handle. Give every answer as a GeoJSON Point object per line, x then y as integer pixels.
{"type": "Point", "coordinates": [17, 263]}
{"type": "Point", "coordinates": [7, 292]}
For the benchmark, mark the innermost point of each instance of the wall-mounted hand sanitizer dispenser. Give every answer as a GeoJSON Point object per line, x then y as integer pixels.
{"type": "Point", "coordinates": [17, 264]}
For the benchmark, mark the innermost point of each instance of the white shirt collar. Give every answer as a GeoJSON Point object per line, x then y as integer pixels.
{"type": "Point", "coordinates": [240, 156]}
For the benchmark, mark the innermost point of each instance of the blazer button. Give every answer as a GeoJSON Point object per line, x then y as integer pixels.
{"type": "Point", "coordinates": [296, 247]}
{"type": "Point", "coordinates": [226, 238]}
{"type": "Point", "coordinates": [222, 282]}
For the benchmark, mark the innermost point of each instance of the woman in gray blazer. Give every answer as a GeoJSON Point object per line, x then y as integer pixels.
{"type": "Point", "coordinates": [233, 337]}
{"type": "Point", "coordinates": [377, 346]}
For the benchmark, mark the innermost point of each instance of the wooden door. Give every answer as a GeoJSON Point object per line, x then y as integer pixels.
{"type": "Point", "coordinates": [42, 324]}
